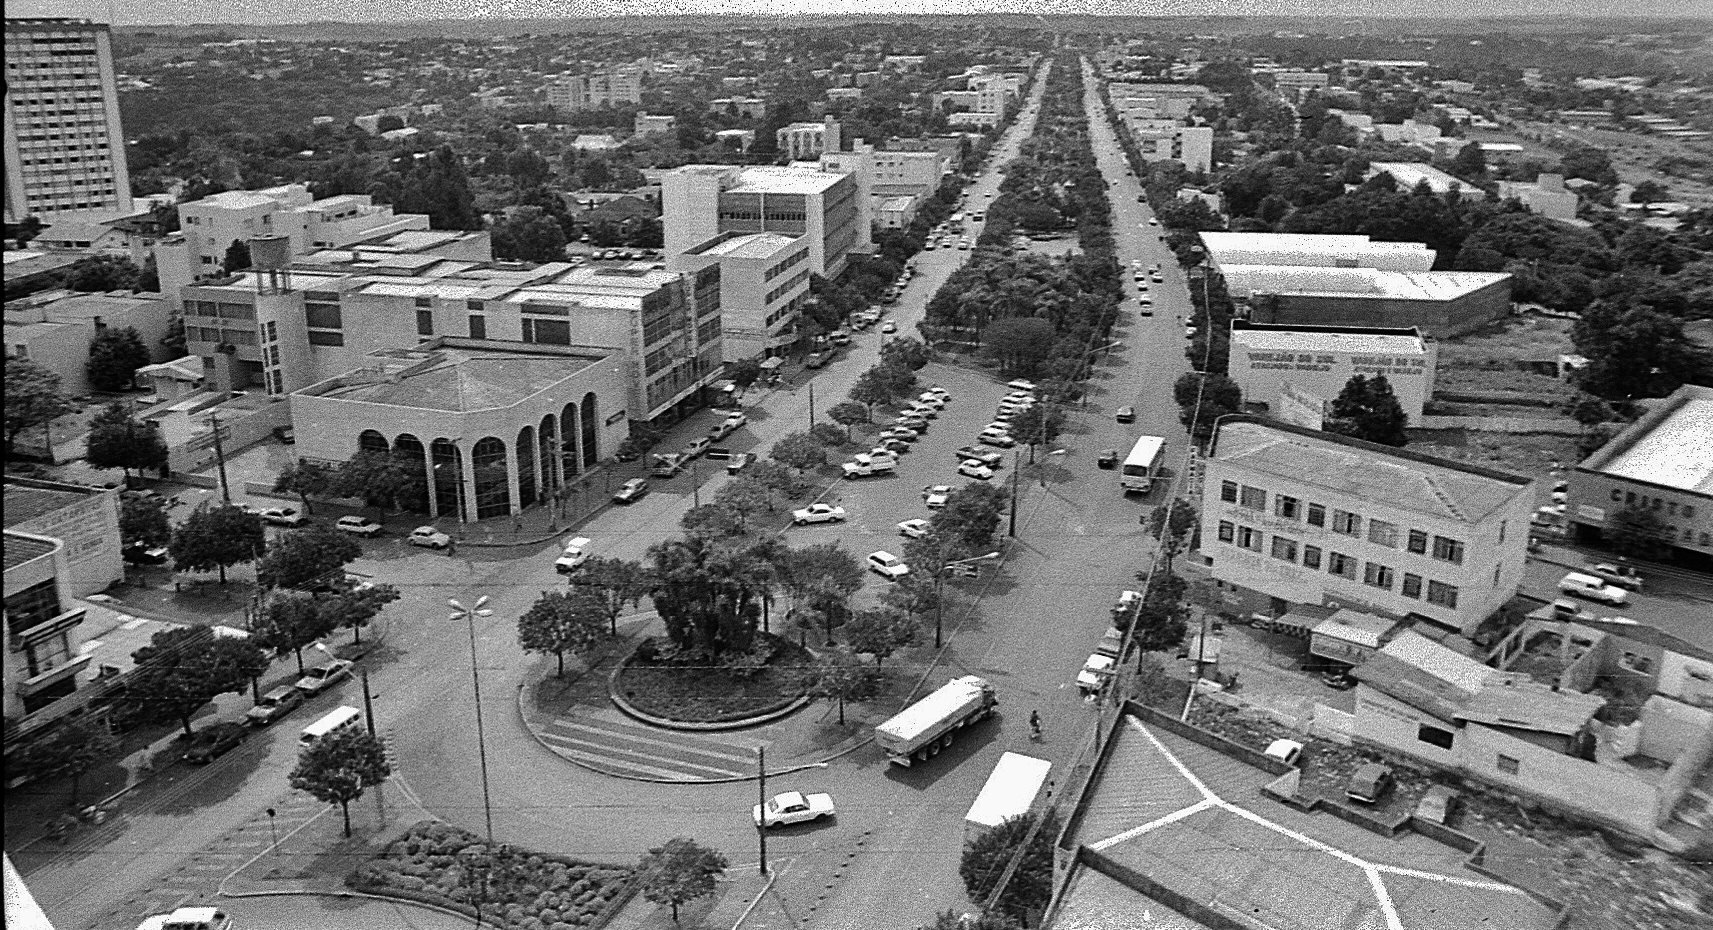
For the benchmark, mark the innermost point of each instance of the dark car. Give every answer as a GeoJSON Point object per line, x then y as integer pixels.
{"type": "Point", "coordinates": [1339, 680]}
{"type": "Point", "coordinates": [142, 554]}
{"type": "Point", "coordinates": [631, 491]}
{"type": "Point", "coordinates": [1127, 414]}
{"type": "Point", "coordinates": [1370, 784]}
{"type": "Point", "coordinates": [1108, 458]}
{"type": "Point", "coordinates": [213, 742]}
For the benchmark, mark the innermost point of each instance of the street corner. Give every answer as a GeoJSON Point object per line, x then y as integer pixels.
{"type": "Point", "coordinates": [300, 845]}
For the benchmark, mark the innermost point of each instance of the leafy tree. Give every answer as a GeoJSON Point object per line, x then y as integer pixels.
{"type": "Point", "coordinates": [906, 352]}
{"type": "Point", "coordinates": [529, 235]}
{"type": "Point", "coordinates": [800, 451]}
{"type": "Point", "coordinates": [143, 521]}
{"type": "Point", "coordinates": [289, 620]}
{"type": "Point", "coordinates": [744, 372]}
{"type": "Point", "coordinates": [879, 633]}
{"type": "Point", "coordinates": [1649, 191]}
{"type": "Point", "coordinates": [304, 478]}
{"type": "Point", "coordinates": [33, 398]}
{"type": "Point", "coordinates": [183, 668]}
{"type": "Point", "coordinates": [1470, 163]}
{"type": "Point", "coordinates": [1038, 425]}
{"type": "Point", "coordinates": [1020, 344]}
{"type": "Point", "coordinates": [777, 477]}
{"type": "Point", "coordinates": [388, 123]}
{"type": "Point", "coordinates": [971, 516]}
{"type": "Point", "coordinates": [745, 498]}
{"type": "Point", "coordinates": [1589, 163]}
{"type": "Point", "coordinates": [872, 387]}
{"type": "Point", "coordinates": [1162, 618]}
{"type": "Point", "coordinates": [381, 479]}
{"type": "Point", "coordinates": [708, 594]}
{"type": "Point", "coordinates": [117, 440]}
{"type": "Point", "coordinates": [712, 521]}
{"type": "Point", "coordinates": [1638, 532]}
{"type": "Point", "coordinates": [1172, 525]}
{"type": "Point", "coordinates": [1590, 411]}
{"type": "Point", "coordinates": [310, 554]}
{"type": "Point", "coordinates": [830, 435]}
{"type": "Point", "coordinates": [952, 920]}
{"type": "Point", "coordinates": [71, 750]}
{"type": "Point", "coordinates": [614, 583]}
{"type": "Point", "coordinates": [561, 622]}
{"type": "Point", "coordinates": [1212, 395]}
{"type": "Point", "coordinates": [986, 858]}
{"type": "Point", "coordinates": [115, 354]}
{"type": "Point", "coordinates": [350, 606]}
{"type": "Point", "coordinates": [848, 414]}
{"type": "Point", "coordinates": [215, 538]}
{"type": "Point", "coordinates": [103, 273]}
{"type": "Point", "coordinates": [237, 257]}
{"type": "Point", "coordinates": [822, 577]}
{"type": "Point", "coordinates": [338, 767]}
{"type": "Point", "coordinates": [1367, 409]}
{"type": "Point", "coordinates": [678, 872]}
{"type": "Point", "coordinates": [838, 675]}
{"type": "Point", "coordinates": [1632, 350]}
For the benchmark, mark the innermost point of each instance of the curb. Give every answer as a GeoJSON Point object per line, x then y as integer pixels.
{"type": "Point", "coordinates": [712, 726]}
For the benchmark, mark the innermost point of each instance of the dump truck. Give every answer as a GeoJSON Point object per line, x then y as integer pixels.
{"type": "Point", "coordinates": [924, 728]}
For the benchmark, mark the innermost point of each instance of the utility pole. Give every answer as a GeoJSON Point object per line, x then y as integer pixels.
{"type": "Point", "coordinates": [220, 457]}
{"type": "Point", "coordinates": [1011, 530]}
{"type": "Point", "coordinates": [761, 790]}
{"type": "Point", "coordinates": [811, 405]}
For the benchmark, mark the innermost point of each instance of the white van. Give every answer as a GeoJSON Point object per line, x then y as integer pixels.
{"type": "Point", "coordinates": [1578, 584]}
{"type": "Point", "coordinates": [338, 720]}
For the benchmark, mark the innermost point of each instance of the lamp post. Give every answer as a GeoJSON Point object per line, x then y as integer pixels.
{"type": "Point", "coordinates": [695, 484]}
{"type": "Point", "coordinates": [939, 578]}
{"type": "Point", "coordinates": [469, 615]}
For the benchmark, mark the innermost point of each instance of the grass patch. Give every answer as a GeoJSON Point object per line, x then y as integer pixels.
{"type": "Point", "coordinates": [694, 691]}
{"type": "Point", "coordinates": [1486, 360]}
{"type": "Point", "coordinates": [1530, 455]}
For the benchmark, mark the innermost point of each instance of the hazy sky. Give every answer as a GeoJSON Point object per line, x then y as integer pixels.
{"type": "Point", "coordinates": [134, 12]}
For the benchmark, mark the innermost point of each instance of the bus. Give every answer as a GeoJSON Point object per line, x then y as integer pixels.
{"type": "Point", "coordinates": [1142, 465]}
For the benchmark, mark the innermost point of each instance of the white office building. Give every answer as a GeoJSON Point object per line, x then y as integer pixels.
{"type": "Point", "coordinates": [1267, 361]}
{"type": "Point", "coordinates": [764, 280]}
{"type": "Point", "coordinates": [699, 202]}
{"type": "Point", "coordinates": [1314, 249]}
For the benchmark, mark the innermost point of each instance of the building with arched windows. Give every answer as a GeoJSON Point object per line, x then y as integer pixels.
{"type": "Point", "coordinates": [490, 427]}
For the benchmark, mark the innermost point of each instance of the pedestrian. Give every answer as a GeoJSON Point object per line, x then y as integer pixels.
{"type": "Point", "coordinates": [452, 547]}
{"type": "Point", "coordinates": [1035, 724]}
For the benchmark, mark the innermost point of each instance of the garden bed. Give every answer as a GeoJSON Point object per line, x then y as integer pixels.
{"type": "Point", "coordinates": [432, 862]}
{"type": "Point", "coordinates": [694, 691]}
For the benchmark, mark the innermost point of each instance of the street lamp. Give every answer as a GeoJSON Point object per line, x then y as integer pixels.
{"type": "Point", "coordinates": [761, 791]}
{"type": "Point", "coordinates": [939, 577]}
{"type": "Point", "coordinates": [469, 615]}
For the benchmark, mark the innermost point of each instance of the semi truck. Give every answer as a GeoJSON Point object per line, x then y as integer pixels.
{"type": "Point", "coordinates": [924, 728]}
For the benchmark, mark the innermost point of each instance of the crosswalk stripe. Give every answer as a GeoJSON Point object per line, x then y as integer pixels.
{"type": "Point", "coordinates": [599, 752]}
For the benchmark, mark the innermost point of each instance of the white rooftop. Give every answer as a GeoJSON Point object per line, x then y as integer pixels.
{"type": "Point", "coordinates": [1304, 341]}
{"type": "Point", "coordinates": [1408, 174]}
{"type": "Point", "coordinates": [772, 180]}
{"type": "Point", "coordinates": [759, 245]}
{"type": "Point", "coordinates": [1678, 453]}
{"type": "Point", "coordinates": [1315, 249]}
{"type": "Point", "coordinates": [1245, 280]}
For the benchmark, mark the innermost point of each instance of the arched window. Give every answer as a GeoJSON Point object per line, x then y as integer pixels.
{"type": "Point", "coordinates": [372, 441]}
{"type": "Point", "coordinates": [413, 469]}
{"type": "Point", "coordinates": [493, 490]}
{"type": "Point", "coordinates": [591, 432]}
{"type": "Point", "coordinates": [568, 434]}
{"type": "Point", "coordinates": [525, 466]}
{"type": "Point", "coordinates": [448, 478]}
{"type": "Point", "coordinates": [547, 436]}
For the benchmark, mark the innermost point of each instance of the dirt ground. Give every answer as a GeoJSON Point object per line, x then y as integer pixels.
{"type": "Point", "coordinates": [1534, 455]}
{"type": "Point", "coordinates": [1485, 361]}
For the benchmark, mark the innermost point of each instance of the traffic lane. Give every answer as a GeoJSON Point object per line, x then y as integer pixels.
{"type": "Point", "coordinates": [293, 912]}
{"type": "Point", "coordinates": [1681, 609]}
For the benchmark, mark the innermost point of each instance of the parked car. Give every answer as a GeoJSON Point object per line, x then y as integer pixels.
{"type": "Point", "coordinates": [793, 807]}
{"type": "Point", "coordinates": [887, 565]}
{"type": "Point", "coordinates": [944, 395]}
{"type": "Point", "coordinates": [283, 516]}
{"type": "Point", "coordinates": [1370, 784]}
{"type": "Point", "coordinates": [889, 327]}
{"type": "Point", "coordinates": [1096, 672]}
{"type": "Point", "coordinates": [818, 513]}
{"type": "Point", "coordinates": [697, 447]}
{"type": "Point", "coordinates": [188, 918]}
{"type": "Point", "coordinates": [1126, 415]}
{"type": "Point", "coordinates": [212, 742]}
{"type": "Point", "coordinates": [1578, 584]}
{"type": "Point", "coordinates": [1338, 680]}
{"type": "Point", "coordinates": [997, 437]}
{"type": "Point", "coordinates": [913, 529]}
{"type": "Point", "coordinates": [977, 454]}
{"type": "Point", "coordinates": [923, 409]}
{"type": "Point", "coordinates": [274, 705]}
{"type": "Point", "coordinates": [935, 495]}
{"type": "Point", "coordinates": [900, 432]}
{"type": "Point", "coordinates": [912, 421]}
{"type": "Point", "coordinates": [738, 462]}
{"type": "Point", "coordinates": [320, 678]}
{"type": "Point", "coordinates": [1439, 804]}
{"type": "Point", "coordinates": [361, 526]}
{"type": "Point", "coordinates": [1108, 458]}
{"type": "Point", "coordinates": [936, 397]}
{"type": "Point", "coordinates": [139, 553]}
{"type": "Point", "coordinates": [1287, 751]}
{"type": "Point", "coordinates": [1617, 573]}
{"type": "Point", "coordinates": [575, 554]}
{"type": "Point", "coordinates": [976, 470]}
{"type": "Point", "coordinates": [632, 491]}
{"type": "Point", "coordinates": [430, 537]}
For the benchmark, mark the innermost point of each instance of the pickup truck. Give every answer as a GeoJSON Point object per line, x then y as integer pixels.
{"type": "Point", "coordinates": [793, 807]}
{"type": "Point", "coordinates": [866, 465]}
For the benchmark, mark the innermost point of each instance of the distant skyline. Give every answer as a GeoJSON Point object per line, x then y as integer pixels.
{"type": "Point", "coordinates": [215, 12]}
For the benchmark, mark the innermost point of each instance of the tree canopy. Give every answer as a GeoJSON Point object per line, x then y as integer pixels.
{"type": "Point", "coordinates": [678, 872]}
{"type": "Point", "coordinates": [339, 767]}
{"type": "Point", "coordinates": [183, 668]}
{"type": "Point", "coordinates": [216, 538]}
{"type": "Point", "coordinates": [1368, 409]}
{"type": "Point", "coordinates": [33, 398]}
{"type": "Point", "coordinates": [115, 354]}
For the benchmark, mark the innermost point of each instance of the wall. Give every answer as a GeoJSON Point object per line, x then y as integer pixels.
{"type": "Point", "coordinates": [1392, 723]}
{"type": "Point", "coordinates": [1688, 679]}
{"type": "Point", "coordinates": [89, 528]}
{"type": "Point", "coordinates": [1438, 318]}
{"type": "Point", "coordinates": [1263, 373]}
{"type": "Point", "coordinates": [1594, 791]}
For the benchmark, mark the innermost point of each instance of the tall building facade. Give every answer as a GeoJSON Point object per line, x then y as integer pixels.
{"type": "Point", "coordinates": [65, 150]}
{"type": "Point", "coordinates": [698, 202]}
{"type": "Point", "coordinates": [593, 91]}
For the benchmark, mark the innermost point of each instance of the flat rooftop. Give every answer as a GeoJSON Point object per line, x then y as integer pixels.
{"type": "Point", "coordinates": [757, 245]}
{"type": "Point", "coordinates": [1314, 280]}
{"type": "Point", "coordinates": [1409, 481]}
{"type": "Point", "coordinates": [1323, 341]}
{"type": "Point", "coordinates": [1675, 453]}
{"type": "Point", "coordinates": [459, 380]}
{"type": "Point", "coordinates": [20, 549]}
{"type": "Point", "coordinates": [26, 500]}
{"type": "Point", "coordinates": [1408, 174]}
{"type": "Point", "coordinates": [771, 180]}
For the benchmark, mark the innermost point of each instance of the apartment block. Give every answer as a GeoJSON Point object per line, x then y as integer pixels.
{"type": "Point", "coordinates": [1170, 140]}
{"type": "Point", "coordinates": [1296, 516]}
{"type": "Point", "coordinates": [649, 123]}
{"type": "Point", "coordinates": [807, 141]}
{"type": "Point", "coordinates": [65, 148]}
{"type": "Point", "coordinates": [764, 281]}
{"type": "Point", "coordinates": [573, 92]}
{"type": "Point", "coordinates": [699, 202]}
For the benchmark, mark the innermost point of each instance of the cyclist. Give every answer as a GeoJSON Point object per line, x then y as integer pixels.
{"type": "Point", "coordinates": [1035, 723]}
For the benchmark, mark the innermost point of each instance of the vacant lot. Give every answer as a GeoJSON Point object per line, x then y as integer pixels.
{"type": "Point", "coordinates": [1531, 456]}
{"type": "Point", "coordinates": [1485, 362]}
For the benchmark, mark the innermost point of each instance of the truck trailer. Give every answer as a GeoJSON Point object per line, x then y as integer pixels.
{"type": "Point", "coordinates": [924, 728]}
{"type": "Point", "coordinates": [1010, 793]}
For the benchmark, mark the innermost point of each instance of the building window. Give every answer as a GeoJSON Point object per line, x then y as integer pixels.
{"type": "Point", "coordinates": [1286, 506]}
{"type": "Point", "coordinates": [1376, 575]}
{"type": "Point", "coordinates": [1689, 511]}
{"type": "Point", "coordinates": [1228, 491]}
{"type": "Point", "coordinates": [1284, 548]}
{"type": "Point", "coordinates": [34, 605]}
{"type": "Point", "coordinates": [1509, 765]}
{"type": "Point", "coordinates": [1343, 521]}
{"type": "Point", "coordinates": [425, 301]}
{"type": "Point", "coordinates": [46, 653]}
{"type": "Point", "coordinates": [1617, 495]}
{"type": "Point", "coordinates": [1254, 498]}
{"type": "Point", "coordinates": [1317, 515]}
{"type": "Point", "coordinates": [1443, 594]}
{"type": "Point", "coordinates": [478, 326]}
{"type": "Point", "coordinates": [1249, 538]}
{"type": "Point", "coordinates": [1417, 542]}
{"type": "Point", "coordinates": [547, 332]}
{"type": "Point", "coordinates": [1341, 565]}
{"type": "Point", "coordinates": [1311, 557]}
{"type": "Point", "coordinates": [1502, 526]}
{"type": "Point", "coordinates": [1636, 663]}
{"type": "Point", "coordinates": [1448, 550]}
{"type": "Point", "coordinates": [1227, 531]}
{"type": "Point", "coordinates": [272, 331]}
{"type": "Point", "coordinates": [1381, 533]}
{"type": "Point", "coordinates": [1412, 585]}
{"type": "Point", "coordinates": [323, 316]}
{"type": "Point", "coordinates": [319, 338]}
{"type": "Point", "coordinates": [425, 322]}
{"type": "Point", "coordinates": [1434, 736]}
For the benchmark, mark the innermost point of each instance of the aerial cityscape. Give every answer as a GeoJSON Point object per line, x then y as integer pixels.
{"type": "Point", "coordinates": [810, 466]}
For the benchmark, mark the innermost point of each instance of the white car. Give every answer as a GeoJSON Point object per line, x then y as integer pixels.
{"type": "Point", "coordinates": [997, 437]}
{"type": "Point", "coordinates": [913, 529]}
{"type": "Point", "coordinates": [1095, 673]}
{"type": "Point", "coordinates": [887, 565]}
{"type": "Point", "coordinates": [283, 516]}
{"type": "Point", "coordinates": [903, 433]}
{"type": "Point", "coordinates": [935, 495]}
{"type": "Point", "coordinates": [984, 456]}
{"type": "Point", "coordinates": [818, 513]}
{"type": "Point", "coordinates": [1018, 397]}
{"type": "Point", "coordinates": [940, 392]}
{"type": "Point", "coordinates": [793, 807]}
{"type": "Point", "coordinates": [929, 397]}
{"type": "Point", "coordinates": [318, 679]}
{"type": "Point", "coordinates": [921, 409]}
{"type": "Point", "coordinates": [362, 526]}
{"type": "Point", "coordinates": [973, 469]}
{"type": "Point", "coordinates": [430, 537]}
{"type": "Point", "coordinates": [575, 554]}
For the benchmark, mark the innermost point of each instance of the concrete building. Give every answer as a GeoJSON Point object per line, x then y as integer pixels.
{"type": "Point", "coordinates": [895, 212]}
{"type": "Point", "coordinates": [647, 123]}
{"type": "Point", "coordinates": [1171, 140]}
{"type": "Point", "coordinates": [1296, 516]}
{"type": "Point", "coordinates": [1412, 132]}
{"type": "Point", "coordinates": [1266, 360]}
{"type": "Point", "coordinates": [845, 94]}
{"type": "Point", "coordinates": [56, 334]}
{"type": "Point", "coordinates": [1410, 174]}
{"type": "Point", "coordinates": [1662, 463]}
{"type": "Point", "coordinates": [595, 142]}
{"type": "Point", "coordinates": [698, 202]}
{"type": "Point", "coordinates": [1439, 303]}
{"type": "Point", "coordinates": [44, 639]}
{"type": "Point", "coordinates": [806, 141]}
{"type": "Point", "coordinates": [572, 92]}
{"type": "Point", "coordinates": [746, 107]}
{"type": "Point", "coordinates": [1300, 82]}
{"type": "Point", "coordinates": [65, 147]}
{"type": "Point", "coordinates": [764, 280]}
{"type": "Point", "coordinates": [740, 139]}
{"type": "Point", "coordinates": [494, 426]}
{"type": "Point", "coordinates": [84, 519]}
{"type": "Point", "coordinates": [1547, 196]}
{"type": "Point", "coordinates": [1311, 249]}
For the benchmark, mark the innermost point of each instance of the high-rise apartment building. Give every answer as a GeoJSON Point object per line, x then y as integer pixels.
{"type": "Point", "coordinates": [65, 150]}
{"type": "Point", "coordinates": [592, 91]}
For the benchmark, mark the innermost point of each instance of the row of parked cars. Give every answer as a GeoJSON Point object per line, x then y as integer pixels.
{"type": "Point", "coordinates": [212, 742]}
